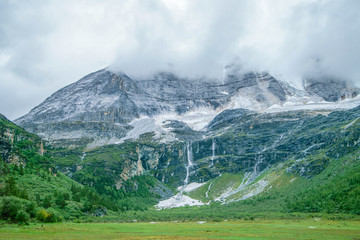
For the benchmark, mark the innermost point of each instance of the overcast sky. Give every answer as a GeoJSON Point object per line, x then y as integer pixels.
{"type": "Point", "coordinates": [46, 45]}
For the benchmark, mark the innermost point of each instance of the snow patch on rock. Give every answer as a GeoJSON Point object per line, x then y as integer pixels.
{"type": "Point", "coordinates": [179, 200]}
{"type": "Point", "coordinates": [295, 103]}
{"type": "Point", "coordinates": [196, 119]}
{"type": "Point", "coordinates": [146, 125]}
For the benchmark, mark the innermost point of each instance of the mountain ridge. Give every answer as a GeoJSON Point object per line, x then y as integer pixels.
{"type": "Point", "coordinates": [112, 102]}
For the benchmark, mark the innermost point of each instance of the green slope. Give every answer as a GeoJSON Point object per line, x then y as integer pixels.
{"type": "Point", "coordinates": [32, 188]}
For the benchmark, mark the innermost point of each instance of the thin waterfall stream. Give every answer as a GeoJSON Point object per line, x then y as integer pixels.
{"type": "Point", "coordinates": [189, 163]}
{"type": "Point", "coordinates": [213, 152]}
{"type": "Point", "coordinates": [180, 199]}
{"type": "Point", "coordinates": [83, 156]}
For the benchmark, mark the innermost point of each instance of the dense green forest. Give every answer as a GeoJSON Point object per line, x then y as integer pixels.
{"type": "Point", "coordinates": [31, 187]}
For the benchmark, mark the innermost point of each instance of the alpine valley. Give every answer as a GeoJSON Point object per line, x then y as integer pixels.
{"type": "Point", "coordinates": [172, 148]}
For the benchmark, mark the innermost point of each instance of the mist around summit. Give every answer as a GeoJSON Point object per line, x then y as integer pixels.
{"type": "Point", "coordinates": [46, 45]}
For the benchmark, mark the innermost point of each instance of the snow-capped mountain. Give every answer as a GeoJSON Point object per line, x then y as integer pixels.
{"type": "Point", "coordinates": [106, 107]}
{"type": "Point", "coordinates": [109, 97]}
{"type": "Point", "coordinates": [223, 140]}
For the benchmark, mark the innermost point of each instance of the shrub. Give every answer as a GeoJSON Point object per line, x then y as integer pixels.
{"type": "Point", "coordinates": [60, 200]}
{"type": "Point", "coordinates": [47, 202]}
{"type": "Point", "coordinates": [31, 209]}
{"type": "Point", "coordinates": [48, 216]}
{"type": "Point", "coordinates": [10, 188]}
{"type": "Point", "coordinates": [16, 209]}
{"type": "Point", "coordinates": [217, 219]}
{"type": "Point", "coordinates": [53, 216]}
{"type": "Point", "coordinates": [42, 215]}
{"type": "Point", "coordinates": [10, 207]}
{"type": "Point", "coordinates": [87, 206]}
{"type": "Point", "coordinates": [22, 217]}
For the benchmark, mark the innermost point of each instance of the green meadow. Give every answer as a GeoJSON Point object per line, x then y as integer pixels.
{"type": "Point", "coordinates": [255, 229]}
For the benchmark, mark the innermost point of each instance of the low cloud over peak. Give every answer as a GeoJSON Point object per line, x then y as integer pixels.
{"type": "Point", "coordinates": [48, 44]}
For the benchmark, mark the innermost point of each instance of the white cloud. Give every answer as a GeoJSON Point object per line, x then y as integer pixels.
{"type": "Point", "coordinates": [45, 45]}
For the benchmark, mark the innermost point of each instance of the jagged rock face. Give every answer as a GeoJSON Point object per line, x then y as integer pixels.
{"type": "Point", "coordinates": [99, 97]}
{"type": "Point", "coordinates": [107, 97]}
{"type": "Point", "coordinates": [101, 104]}
{"type": "Point", "coordinates": [180, 95]}
{"type": "Point", "coordinates": [97, 109]}
{"type": "Point", "coordinates": [78, 133]}
{"type": "Point", "coordinates": [265, 87]}
{"type": "Point", "coordinates": [228, 116]}
{"type": "Point", "coordinates": [173, 94]}
{"type": "Point", "coordinates": [330, 89]}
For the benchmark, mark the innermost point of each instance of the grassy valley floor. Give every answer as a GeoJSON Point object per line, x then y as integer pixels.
{"type": "Point", "coordinates": [255, 229]}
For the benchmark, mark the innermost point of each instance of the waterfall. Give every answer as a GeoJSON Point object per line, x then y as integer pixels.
{"type": "Point", "coordinates": [189, 154]}
{"type": "Point", "coordinates": [83, 156]}
{"type": "Point", "coordinates": [180, 199]}
{"type": "Point", "coordinates": [213, 152]}
{"type": "Point", "coordinates": [256, 172]}
{"type": "Point", "coordinates": [208, 190]}
{"type": "Point", "coordinates": [189, 161]}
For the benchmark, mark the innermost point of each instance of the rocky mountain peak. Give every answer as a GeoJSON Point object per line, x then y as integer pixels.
{"type": "Point", "coordinates": [105, 104]}
{"type": "Point", "coordinates": [330, 89]}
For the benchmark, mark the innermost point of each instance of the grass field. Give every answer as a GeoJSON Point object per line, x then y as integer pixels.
{"type": "Point", "coordinates": [256, 229]}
